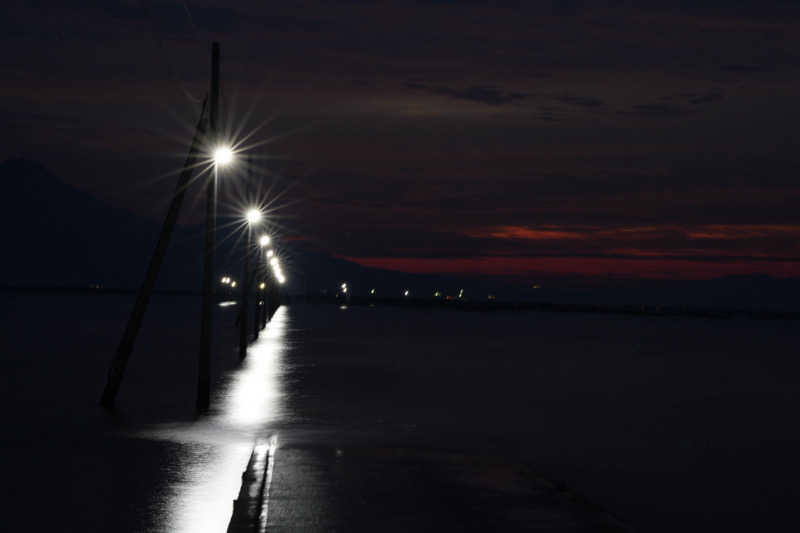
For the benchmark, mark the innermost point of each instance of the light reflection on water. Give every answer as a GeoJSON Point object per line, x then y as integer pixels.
{"type": "Point", "coordinates": [219, 446]}
{"type": "Point", "coordinates": [252, 397]}
{"type": "Point", "coordinates": [202, 501]}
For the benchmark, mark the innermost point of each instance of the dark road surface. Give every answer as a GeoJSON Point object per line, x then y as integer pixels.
{"type": "Point", "coordinates": [399, 420]}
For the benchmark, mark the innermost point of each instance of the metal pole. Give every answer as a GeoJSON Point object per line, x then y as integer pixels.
{"type": "Point", "coordinates": [263, 294]}
{"type": "Point", "coordinates": [243, 300]}
{"type": "Point", "coordinates": [125, 347]}
{"type": "Point", "coordinates": [203, 378]}
{"type": "Point", "coordinates": [256, 299]}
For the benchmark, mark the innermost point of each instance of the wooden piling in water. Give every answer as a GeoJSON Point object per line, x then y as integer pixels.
{"type": "Point", "coordinates": [243, 300]}
{"type": "Point", "coordinates": [125, 348]}
{"type": "Point", "coordinates": [257, 313]}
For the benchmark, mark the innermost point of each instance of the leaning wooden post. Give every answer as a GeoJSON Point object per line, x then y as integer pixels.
{"type": "Point", "coordinates": [120, 361]}
{"type": "Point", "coordinates": [204, 355]}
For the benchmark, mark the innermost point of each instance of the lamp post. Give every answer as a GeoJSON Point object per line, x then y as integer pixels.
{"type": "Point", "coordinates": [204, 355]}
{"type": "Point", "coordinates": [223, 156]}
{"type": "Point", "coordinates": [261, 300]}
{"type": "Point", "coordinates": [278, 276]}
{"type": "Point", "coordinates": [253, 217]}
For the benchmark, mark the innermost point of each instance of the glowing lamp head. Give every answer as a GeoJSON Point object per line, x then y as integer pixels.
{"type": "Point", "coordinates": [253, 216]}
{"type": "Point", "coordinates": [223, 155]}
{"type": "Point", "coordinates": [270, 253]}
{"type": "Point", "coordinates": [264, 241]}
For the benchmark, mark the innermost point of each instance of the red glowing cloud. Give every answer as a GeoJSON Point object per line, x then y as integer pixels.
{"type": "Point", "coordinates": [542, 233]}
{"type": "Point", "coordinates": [696, 232]}
{"type": "Point", "coordinates": [661, 268]}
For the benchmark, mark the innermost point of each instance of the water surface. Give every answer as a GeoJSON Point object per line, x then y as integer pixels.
{"type": "Point", "coordinates": [667, 422]}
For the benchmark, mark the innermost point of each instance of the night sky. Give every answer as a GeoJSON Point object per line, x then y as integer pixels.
{"type": "Point", "coordinates": [651, 140]}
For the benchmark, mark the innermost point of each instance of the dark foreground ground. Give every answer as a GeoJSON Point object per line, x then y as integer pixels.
{"type": "Point", "coordinates": [401, 419]}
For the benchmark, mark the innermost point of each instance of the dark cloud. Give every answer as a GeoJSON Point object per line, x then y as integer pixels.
{"type": "Point", "coordinates": [175, 17]}
{"type": "Point", "coordinates": [657, 109]}
{"type": "Point", "coordinates": [478, 138]}
{"type": "Point", "coordinates": [747, 69]}
{"type": "Point", "coordinates": [578, 101]}
{"type": "Point", "coordinates": [706, 98]}
{"type": "Point", "coordinates": [480, 94]}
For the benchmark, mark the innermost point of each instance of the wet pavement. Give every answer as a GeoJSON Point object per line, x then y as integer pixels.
{"type": "Point", "coordinates": [398, 490]}
{"type": "Point", "coordinates": [397, 420]}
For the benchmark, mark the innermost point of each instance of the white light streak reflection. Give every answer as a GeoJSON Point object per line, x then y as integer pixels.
{"type": "Point", "coordinates": [271, 448]}
{"type": "Point", "coordinates": [227, 303]}
{"type": "Point", "coordinates": [254, 392]}
{"type": "Point", "coordinates": [202, 501]}
{"type": "Point", "coordinates": [215, 450]}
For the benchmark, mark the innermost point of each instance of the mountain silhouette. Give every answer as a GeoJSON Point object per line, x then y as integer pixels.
{"type": "Point", "coordinates": [55, 235]}
{"type": "Point", "coordinates": [58, 236]}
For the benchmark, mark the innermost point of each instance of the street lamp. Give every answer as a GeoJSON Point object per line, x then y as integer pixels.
{"type": "Point", "coordinates": [253, 216]}
{"type": "Point", "coordinates": [223, 156]}
{"type": "Point", "coordinates": [276, 270]}
{"type": "Point", "coordinates": [264, 240]}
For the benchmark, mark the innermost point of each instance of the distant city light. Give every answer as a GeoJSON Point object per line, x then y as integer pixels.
{"type": "Point", "coordinates": [262, 285]}
{"type": "Point", "coordinates": [437, 294]}
{"type": "Point", "coordinates": [406, 293]}
{"type": "Point", "coordinates": [270, 253]}
{"type": "Point", "coordinates": [223, 155]}
{"type": "Point", "coordinates": [461, 293]}
{"type": "Point", "coordinates": [372, 291]}
{"type": "Point", "coordinates": [264, 240]}
{"type": "Point", "coordinates": [233, 283]}
{"type": "Point", "coordinates": [253, 216]}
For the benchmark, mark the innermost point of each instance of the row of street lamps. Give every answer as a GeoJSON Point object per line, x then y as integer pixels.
{"type": "Point", "coordinates": [223, 156]}
{"type": "Point", "coordinates": [253, 216]}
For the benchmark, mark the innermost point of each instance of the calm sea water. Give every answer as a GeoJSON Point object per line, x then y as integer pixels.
{"type": "Point", "coordinates": [669, 423]}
